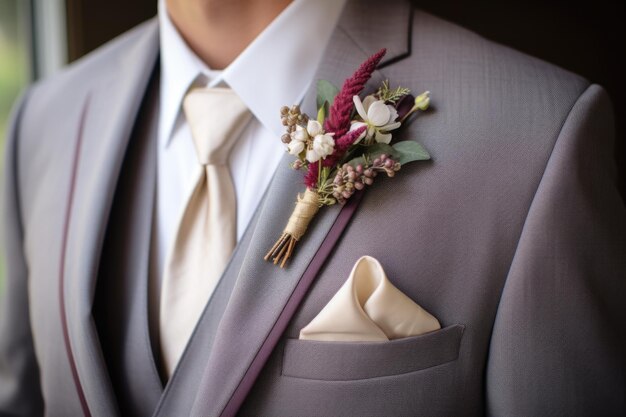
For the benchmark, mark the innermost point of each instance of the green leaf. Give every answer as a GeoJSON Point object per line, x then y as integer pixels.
{"type": "Point", "coordinates": [321, 113]}
{"type": "Point", "coordinates": [326, 93]}
{"type": "Point", "coordinates": [378, 149]}
{"type": "Point", "coordinates": [409, 151]}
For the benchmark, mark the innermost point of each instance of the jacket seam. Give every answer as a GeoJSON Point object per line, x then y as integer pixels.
{"type": "Point", "coordinates": [521, 231]}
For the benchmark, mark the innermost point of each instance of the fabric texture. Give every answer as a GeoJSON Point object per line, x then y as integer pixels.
{"type": "Point", "coordinates": [512, 236]}
{"type": "Point", "coordinates": [368, 307]}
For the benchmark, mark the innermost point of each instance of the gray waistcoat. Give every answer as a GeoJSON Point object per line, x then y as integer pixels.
{"type": "Point", "coordinates": [121, 306]}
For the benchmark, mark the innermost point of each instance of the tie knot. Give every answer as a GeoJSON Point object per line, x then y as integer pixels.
{"type": "Point", "coordinates": [216, 117]}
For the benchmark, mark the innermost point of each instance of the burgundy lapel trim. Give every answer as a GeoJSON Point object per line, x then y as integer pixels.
{"type": "Point", "coordinates": [68, 212]}
{"type": "Point", "coordinates": [311, 272]}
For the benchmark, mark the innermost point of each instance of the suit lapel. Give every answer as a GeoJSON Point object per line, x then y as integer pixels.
{"type": "Point", "coordinates": [263, 293]}
{"type": "Point", "coordinates": [108, 118]}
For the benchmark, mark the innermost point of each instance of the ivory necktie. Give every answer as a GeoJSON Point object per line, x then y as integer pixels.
{"type": "Point", "coordinates": [206, 234]}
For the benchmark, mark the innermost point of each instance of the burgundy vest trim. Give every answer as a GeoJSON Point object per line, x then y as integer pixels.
{"type": "Point", "coordinates": [70, 203]}
{"type": "Point", "coordinates": [245, 385]}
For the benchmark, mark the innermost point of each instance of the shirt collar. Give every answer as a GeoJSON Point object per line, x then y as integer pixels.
{"type": "Point", "coordinates": [276, 69]}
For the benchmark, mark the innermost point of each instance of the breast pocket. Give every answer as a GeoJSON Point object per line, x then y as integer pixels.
{"type": "Point", "coordinates": [348, 361]}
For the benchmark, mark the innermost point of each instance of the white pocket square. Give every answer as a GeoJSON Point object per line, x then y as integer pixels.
{"type": "Point", "coordinates": [369, 308]}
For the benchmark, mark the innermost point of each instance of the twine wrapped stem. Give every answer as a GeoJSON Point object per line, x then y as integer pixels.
{"type": "Point", "coordinates": [306, 208]}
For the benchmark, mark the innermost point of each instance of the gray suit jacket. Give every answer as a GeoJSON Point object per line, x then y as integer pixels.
{"type": "Point", "coordinates": [513, 236]}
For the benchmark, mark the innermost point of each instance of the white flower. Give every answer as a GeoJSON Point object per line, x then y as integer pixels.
{"type": "Point", "coordinates": [312, 156]}
{"type": "Point", "coordinates": [317, 143]}
{"type": "Point", "coordinates": [302, 138]}
{"type": "Point", "coordinates": [378, 117]}
{"type": "Point", "coordinates": [314, 128]}
{"type": "Point", "coordinates": [299, 140]}
{"type": "Point", "coordinates": [295, 147]}
{"type": "Point", "coordinates": [323, 145]}
{"type": "Point", "coordinates": [300, 135]}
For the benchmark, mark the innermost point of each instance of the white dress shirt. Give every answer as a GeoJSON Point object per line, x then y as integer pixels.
{"type": "Point", "coordinates": [276, 69]}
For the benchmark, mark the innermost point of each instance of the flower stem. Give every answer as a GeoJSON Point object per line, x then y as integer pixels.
{"type": "Point", "coordinates": [320, 181]}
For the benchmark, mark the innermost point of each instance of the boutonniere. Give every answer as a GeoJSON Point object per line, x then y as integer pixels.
{"type": "Point", "coordinates": [345, 147]}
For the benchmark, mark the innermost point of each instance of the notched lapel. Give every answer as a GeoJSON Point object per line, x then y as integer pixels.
{"type": "Point", "coordinates": [101, 144]}
{"type": "Point", "coordinates": [376, 24]}
{"type": "Point", "coordinates": [264, 294]}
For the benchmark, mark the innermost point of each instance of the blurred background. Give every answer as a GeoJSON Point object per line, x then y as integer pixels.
{"type": "Point", "coordinates": [38, 37]}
